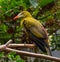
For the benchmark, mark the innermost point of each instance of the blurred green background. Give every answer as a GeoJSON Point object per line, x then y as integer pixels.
{"type": "Point", "coordinates": [46, 11]}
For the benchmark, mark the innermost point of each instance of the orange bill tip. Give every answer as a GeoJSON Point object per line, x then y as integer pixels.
{"type": "Point", "coordinates": [16, 17]}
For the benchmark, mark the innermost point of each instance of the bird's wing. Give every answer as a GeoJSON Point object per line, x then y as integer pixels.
{"type": "Point", "coordinates": [38, 32]}
{"type": "Point", "coordinates": [37, 35]}
{"type": "Point", "coordinates": [37, 29]}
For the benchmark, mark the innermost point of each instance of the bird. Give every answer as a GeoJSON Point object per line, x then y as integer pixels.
{"type": "Point", "coordinates": [36, 32]}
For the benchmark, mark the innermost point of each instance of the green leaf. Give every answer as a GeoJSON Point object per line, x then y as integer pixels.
{"type": "Point", "coordinates": [45, 2]}
{"type": "Point", "coordinates": [11, 55]}
{"type": "Point", "coordinates": [58, 14]}
{"type": "Point", "coordinates": [19, 60]}
{"type": "Point", "coordinates": [3, 27]}
{"type": "Point", "coordinates": [1, 54]}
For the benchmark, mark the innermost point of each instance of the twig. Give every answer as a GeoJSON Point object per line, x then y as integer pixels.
{"type": "Point", "coordinates": [21, 45]}
{"type": "Point", "coordinates": [2, 47]}
{"type": "Point", "coordinates": [8, 42]}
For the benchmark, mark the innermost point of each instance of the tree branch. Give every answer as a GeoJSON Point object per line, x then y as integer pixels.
{"type": "Point", "coordinates": [6, 49]}
{"type": "Point", "coordinates": [34, 54]}
{"type": "Point", "coordinates": [21, 45]}
{"type": "Point", "coordinates": [8, 42]}
{"type": "Point", "coordinates": [2, 47]}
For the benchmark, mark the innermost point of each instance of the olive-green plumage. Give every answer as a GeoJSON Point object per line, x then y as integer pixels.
{"type": "Point", "coordinates": [35, 30]}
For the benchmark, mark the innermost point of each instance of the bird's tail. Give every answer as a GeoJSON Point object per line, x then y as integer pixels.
{"type": "Point", "coordinates": [41, 44]}
{"type": "Point", "coordinates": [48, 47]}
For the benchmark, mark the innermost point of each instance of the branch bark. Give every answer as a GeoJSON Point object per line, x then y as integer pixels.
{"type": "Point", "coordinates": [2, 47]}
{"type": "Point", "coordinates": [34, 54]}
{"type": "Point", "coordinates": [8, 42]}
{"type": "Point", "coordinates": [21, 45]}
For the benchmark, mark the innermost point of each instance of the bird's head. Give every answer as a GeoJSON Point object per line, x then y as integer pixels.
{"type": "Point", "coordinates": [22, 14]}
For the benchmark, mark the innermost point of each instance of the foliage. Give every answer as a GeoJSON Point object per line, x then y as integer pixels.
{"type": "Point", "coordinates": [10, 57]}
{"type": "Point", "coordinates": [44, 3]}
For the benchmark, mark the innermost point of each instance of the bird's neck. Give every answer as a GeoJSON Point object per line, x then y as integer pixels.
{"type": "Point", "coordinates": [26, 17]}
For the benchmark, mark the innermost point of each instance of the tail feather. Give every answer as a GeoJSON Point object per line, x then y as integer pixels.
{"type": "Point", "coordinates": [40, 43]}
